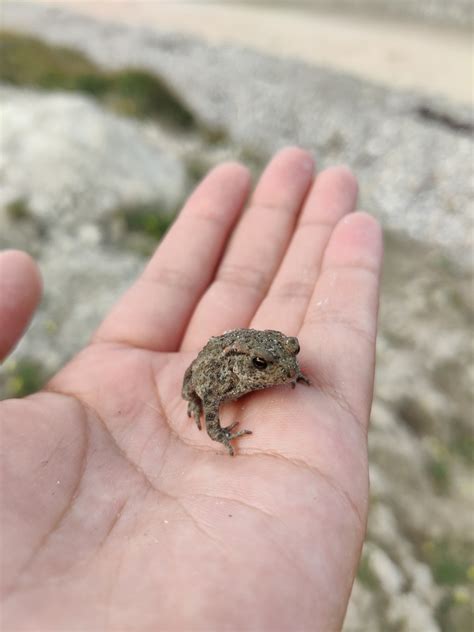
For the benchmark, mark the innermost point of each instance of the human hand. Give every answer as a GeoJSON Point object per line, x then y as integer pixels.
{"type": "Point", "coordinates": [118, 514]}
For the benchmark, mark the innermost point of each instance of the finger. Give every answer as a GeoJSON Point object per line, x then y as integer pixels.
{"type": "Point", "coordinates": [333, 195]}
{"type": "Point", "coordinates": [338, 334]}
{"type": "Point", "coordinates": [20, 293]}
{"type": "Point", "coordinates": [155, 311]}
{"type": "Point", "coordinates": [256, 248]}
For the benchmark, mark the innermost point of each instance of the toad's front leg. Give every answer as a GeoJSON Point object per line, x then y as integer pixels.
{"type": "Point", "coordinates": [214, 428]}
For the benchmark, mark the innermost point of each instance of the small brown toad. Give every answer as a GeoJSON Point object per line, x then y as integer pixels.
{"type": "Point", "coordinates": [236, 363]}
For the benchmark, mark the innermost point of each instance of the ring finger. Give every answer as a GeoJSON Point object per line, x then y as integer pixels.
{"type": "Point", "coordinates": [333, 195]}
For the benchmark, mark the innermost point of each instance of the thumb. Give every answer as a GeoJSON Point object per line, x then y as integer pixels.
{"type": "Point", "coordinates": [20, 293]}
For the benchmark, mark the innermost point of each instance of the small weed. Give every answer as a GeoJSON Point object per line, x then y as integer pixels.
{"type": "Point", "coordinates": [464, 446]}
{"type": "Point", "coordinates": [196, 168]}
{"type": "Point", "coordinates": [451, 563]}
{"type": "Point", "coordinates": [365, 574]}
{"type": "Point", "coordinates": [145, 219]}
{"type": "Point", "coordinates": [18, 210]}
{"type": "Point", "coordinates": [438, 470]}
{"type": "Point", "coordinates": [438, 466]}
{"type": "Point", "coordinates": [23, 377]}
{"type": "Point", "coordinates": [138, 227]}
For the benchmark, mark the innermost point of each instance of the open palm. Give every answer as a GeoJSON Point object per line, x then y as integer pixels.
{"type": "Point", "coordinates": [118, 514]}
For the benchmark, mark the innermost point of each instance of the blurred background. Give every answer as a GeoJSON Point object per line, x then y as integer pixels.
{"type": "Point", "coordinates": [110, 112]}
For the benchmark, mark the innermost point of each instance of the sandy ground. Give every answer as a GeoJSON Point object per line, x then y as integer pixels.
{"type": "Point", "coordinates": [428, 59]}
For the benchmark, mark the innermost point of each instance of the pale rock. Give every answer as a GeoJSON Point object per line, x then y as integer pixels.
{"type": "Point", "coordinates": [390, 578]}
{"type": "Point", "coordinates": [411, 614]}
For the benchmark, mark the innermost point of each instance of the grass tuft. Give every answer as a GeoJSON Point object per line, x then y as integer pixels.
{"type": "Point", "coordinates": [18, 210]}
{"type": "Point", "coordinates": [366, 575]}
{"type": "Point", "coordinates": [146, 219]}
{"type": "Point", "coordinates": [28, 61]}
{"type": "Point", "coordinates": [451, 562]}
{"type": "Point", "coordinates": [23, 377]}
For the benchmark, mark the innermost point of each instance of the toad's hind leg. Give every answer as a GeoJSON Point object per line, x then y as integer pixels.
{"type": "Point", "coordinates": [195, 409]}
{"type": "Point", "coordinates": [217, 432]}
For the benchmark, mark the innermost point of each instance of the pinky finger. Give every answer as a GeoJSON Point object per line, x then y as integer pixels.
{"type": "Point", "coordinates": [20, 293]}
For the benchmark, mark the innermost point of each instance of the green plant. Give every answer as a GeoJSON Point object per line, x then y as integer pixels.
{"type": "Point", "coordinates": [28, 61]}
{"type": "Point", "coordinates": [464, 446]}
{"type": "Point", "coordinates": [438, 465]}
{"type": "Point", "coordinates": [365, 574]}
{"type": "Point", "coordinates": [145, 219]}
{"type": "Point", "coordinates": [451, 562]}
{"type": "Point", "coordinates": [141, 94]}
{"type": "Point", "coordinates": [18, 210]}
{"type": "Point", "coordinates": [23, 377]}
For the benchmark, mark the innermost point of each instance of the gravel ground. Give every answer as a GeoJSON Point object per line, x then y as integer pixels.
{"type": "Point", "coordinates": [395, 53]}
{"type": "Point", "coordinates": [262, 104]}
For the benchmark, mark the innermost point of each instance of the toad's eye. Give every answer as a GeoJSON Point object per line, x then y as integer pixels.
{"type": "Point", "coordinates": [259, 363]}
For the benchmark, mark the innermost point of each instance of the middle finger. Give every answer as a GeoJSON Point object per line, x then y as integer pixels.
{"type": "Point", "coordinates": [255, 250]}
{"type": "Point", "coordinates": [333, 195]}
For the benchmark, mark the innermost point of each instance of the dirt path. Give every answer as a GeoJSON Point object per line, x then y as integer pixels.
{"type": "Point", "coordinates": [426, 58]}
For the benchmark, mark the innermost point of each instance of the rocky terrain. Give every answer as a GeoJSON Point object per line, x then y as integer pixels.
{"type": "Point", "coordinates": [455, 12]}
{"type": "Point", "coordinates": [89, 201]}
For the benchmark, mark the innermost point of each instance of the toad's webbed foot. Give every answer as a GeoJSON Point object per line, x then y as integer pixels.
{"type": "Point", "coordinates": [304, 379]}
{"type": "Point", "coordinates": [300, 378]}
{"type": "Point", "coordinates": [225, 435]}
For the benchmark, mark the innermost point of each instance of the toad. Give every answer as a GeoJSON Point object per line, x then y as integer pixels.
{"type": "Point", "coordinates": [233, 364]}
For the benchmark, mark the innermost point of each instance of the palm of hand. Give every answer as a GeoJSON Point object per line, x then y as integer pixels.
{"type": "Point", "coordinates": [122, 515]}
